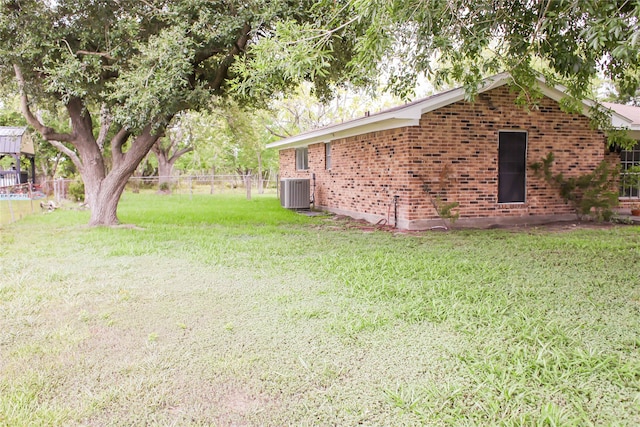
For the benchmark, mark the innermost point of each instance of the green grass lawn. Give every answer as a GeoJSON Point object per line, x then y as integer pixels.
{"type": "Point", "coordinates": [214, 310]}
{"type": "Point", "coordinates": [14, 210]}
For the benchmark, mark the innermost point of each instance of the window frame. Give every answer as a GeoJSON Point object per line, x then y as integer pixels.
{"type": "Point", "coordinates": [302, 158]}
{"type": "Point", "coordinates": [628, 159]}
{"type": "Point", "coordinates": [327, 155]}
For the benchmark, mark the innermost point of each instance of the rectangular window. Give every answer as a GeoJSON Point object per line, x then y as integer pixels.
{"type": "Point", "coordinates": [327, 155]}
{"type": "Point", "coordinates": [512, 156]}
{"type": "Point", "coordinates": [629, 175]}
{"type": "Point", "coordinates": [302, 158]}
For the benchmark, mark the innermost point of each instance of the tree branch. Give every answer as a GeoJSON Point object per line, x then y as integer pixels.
{"type": "Point", "coordinates": [179, 153]}
{"type": "Point", "coordinates": [68, 152]}
{"type": "Point", "coordinates": [105, 125]}
{"type": "Point", "coordinates": [141, 145]}
{"type": "Point", "coordinates": [274, 133]}
{"type": "Point", "coordinates": [116, 144]}
{"type": "Point", "coordinates": [238, 47]}
{"type": "Point", "coordinates": [47, 133]}
{"type": "Point", "coordinates": [80, 117]}
{"type": "Point", "coordinates": [104, 55]}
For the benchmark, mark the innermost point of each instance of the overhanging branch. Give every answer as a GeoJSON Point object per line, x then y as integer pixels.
{"type": "Point", "coordinates": [238, 47]}
{"type": "Point", "coordinates": [47, 133]}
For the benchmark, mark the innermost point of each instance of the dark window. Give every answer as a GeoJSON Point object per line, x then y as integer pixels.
{"type": "Point", "coordinates": [302, 158]}
{"type": "Point", "coordinates": [327, 155]}
{"type": "Point", "coordinates": [512, 154]}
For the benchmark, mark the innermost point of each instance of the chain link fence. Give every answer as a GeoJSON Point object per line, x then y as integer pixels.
{"type": "Point", "coordinates": [184, 184]}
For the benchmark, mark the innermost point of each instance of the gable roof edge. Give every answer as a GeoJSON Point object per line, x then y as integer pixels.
{"type": "Point", "coordinates": [410, 114]}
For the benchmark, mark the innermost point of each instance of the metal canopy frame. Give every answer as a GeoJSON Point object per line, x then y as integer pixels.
{"type": "Point", "coordinates": [16, 142]}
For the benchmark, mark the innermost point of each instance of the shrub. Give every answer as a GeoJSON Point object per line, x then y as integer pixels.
{"type": "Point", "coordinates": [76, 191]}
{"type": "Point", "coordinates": [164, 188]}
{"type": "Point", "coordinates": [590, 194]}
{"type": "Point", "coordinates": [438, 195]}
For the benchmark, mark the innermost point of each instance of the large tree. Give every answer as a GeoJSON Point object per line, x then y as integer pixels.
{"type": "Point", "coordinates": [123, 69]}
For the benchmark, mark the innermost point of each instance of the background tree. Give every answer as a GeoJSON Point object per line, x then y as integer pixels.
{"type": "Point", "coordinates": [247, 135]}
{"type": "Point", "coordinates": [131, 66]}
{"type": "Point", "coordinates": [302, 110]}
{"type": "Point", "coordinates": [624, 92]}
{"type": "Point", "coordinates": [178, 141]}
{"type": "Point", "coordinates": [209, 139]}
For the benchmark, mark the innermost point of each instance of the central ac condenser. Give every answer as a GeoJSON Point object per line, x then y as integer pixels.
{"type": "Point", "coordinates": [294, 193]}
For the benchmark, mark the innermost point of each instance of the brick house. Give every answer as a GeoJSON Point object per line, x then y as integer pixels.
{"type": "Point", "coordinates": [390, 167]}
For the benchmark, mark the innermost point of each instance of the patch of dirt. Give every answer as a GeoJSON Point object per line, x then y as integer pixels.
{"type": "Point", "coordinates": [558, 226]}
{"type": "Point", "coordinates": [342, 222]}
{"type": "Point", "coordinates": [236, 404]}
{"type": "Point", "coordinates": [128, 226]}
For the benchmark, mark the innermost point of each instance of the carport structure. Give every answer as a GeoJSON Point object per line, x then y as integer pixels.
{"type": "Point", "coordinates": [17, 143]}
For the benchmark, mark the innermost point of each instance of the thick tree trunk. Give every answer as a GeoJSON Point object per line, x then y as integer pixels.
{"type": "Point", "coordinates": [167, 158]}
{"type": "Point", "coordinates": [105, 190]}
{"type": "Point", "coordinates": [105, 201]}
{"type": "Point", "coordinates": [102, 190]}
{"type": "Point", "coordinates": [165, 170]}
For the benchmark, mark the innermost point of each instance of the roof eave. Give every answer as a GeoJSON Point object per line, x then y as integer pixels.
{"type": "Point", "coordinates": [338, 132]}
{"type": "Point", "coordinates": [410, 114]}
{"type": "Point", "coordinates": [399, 117]}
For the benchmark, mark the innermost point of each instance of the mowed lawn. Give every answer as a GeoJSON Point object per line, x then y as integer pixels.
{"type": "Point", "coordinates": [214, 310]}
{"type": "Point", "coordinates": [14, 210]}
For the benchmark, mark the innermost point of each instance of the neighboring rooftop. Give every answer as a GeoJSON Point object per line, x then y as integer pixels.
{"type": "Point", "coordinates": [15, 140]}
{"type": "Point", "coordinates": [629, 111]}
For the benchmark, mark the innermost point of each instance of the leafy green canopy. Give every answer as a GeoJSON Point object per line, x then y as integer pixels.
{"type": "Point", "coordinates": [146, 60]}
{"type": "Point", "coordinates": [569, 42]}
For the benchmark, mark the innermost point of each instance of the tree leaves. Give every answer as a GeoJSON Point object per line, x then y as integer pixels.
{"type": "Point", "coordinates": [156, 80]}
{"type": "Point", "coordinates": [470, 39]}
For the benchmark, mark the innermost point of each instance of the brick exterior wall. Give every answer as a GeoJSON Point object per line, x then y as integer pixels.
{"type": "Point", "coordinates": [454, 148]}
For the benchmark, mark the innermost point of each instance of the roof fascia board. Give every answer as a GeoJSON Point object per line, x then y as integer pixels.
{"type": "Point", "coordinates": [621, 121]}
{"type": "Point", "coordinates": [327, 135]}
{"type": "Point", "coordinates": [399, 117]}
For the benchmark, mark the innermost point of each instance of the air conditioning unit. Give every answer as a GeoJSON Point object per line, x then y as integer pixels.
{"type": "Point", "coordinates": [294, 193]}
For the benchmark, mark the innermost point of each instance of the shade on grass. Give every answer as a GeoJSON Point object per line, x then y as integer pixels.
{"type": "Point", "coordinates": [217, 310]}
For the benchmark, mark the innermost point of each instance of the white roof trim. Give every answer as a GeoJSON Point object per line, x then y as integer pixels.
{"type": "Point", "coordinates": [410, 114]}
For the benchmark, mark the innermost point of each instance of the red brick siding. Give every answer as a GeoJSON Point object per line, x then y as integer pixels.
{"type": "Point", "coordinates": [368, 170]}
